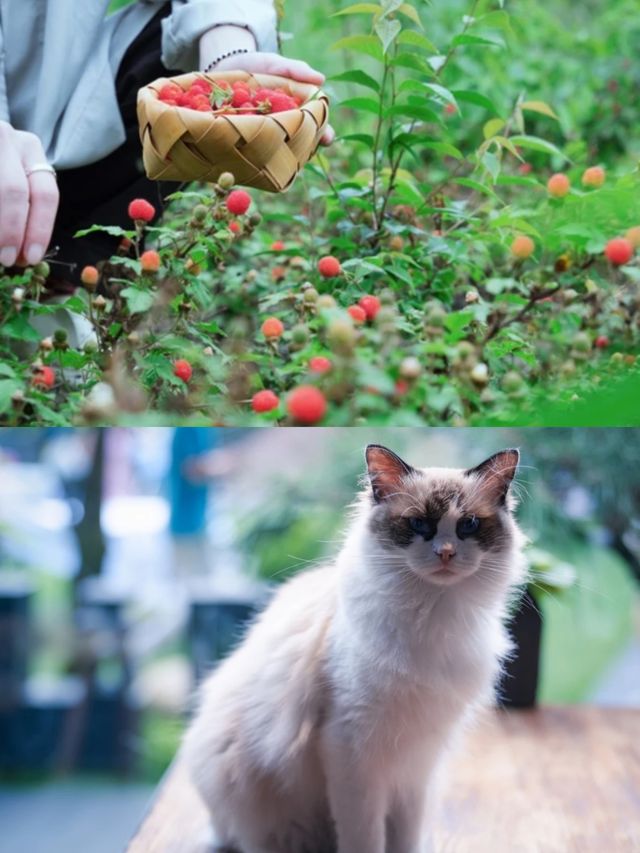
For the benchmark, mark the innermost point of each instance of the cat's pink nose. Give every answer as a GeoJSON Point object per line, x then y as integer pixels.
{"type": "Point", "coordinates": [445, 551]}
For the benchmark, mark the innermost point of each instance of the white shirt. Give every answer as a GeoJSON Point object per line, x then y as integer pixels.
{"type": "Point", "coordinates": [59, 60]}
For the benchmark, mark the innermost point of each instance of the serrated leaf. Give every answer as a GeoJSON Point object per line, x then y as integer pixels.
{"type": "Point", "coordinates": [475, 41]}
{"type": "Point", "coordinates": [387, 30]}
{"type": "Point", "coordinates": [359, 9]}
{"type": "Point", "coordinates": [368, 45]}
{"type": "Point", "coordinates": [408, 10]}
{"type": "Point", "coordinates": [442, 93]}
{"type": "Point", "coordinates": [537, 144]}
{"type": "Point", "coordinates": [359, 77]}
{"type": "Point", "coordinates": [138, 300]}
{"type": "Point", "coordinates": [539, 107]}
{"type": "Point", "coordinates": [479, 100]}
{"type": "Point", "coordinates": [475, 185]}
{"type": "Point", "coordinates": [492, 127]}
{"type": "Point", "coordinates": [411, 37]}
{"type": "Point", "coordinates": [361, 104]}
{"type": "Point", "coordinates": [412, 111]}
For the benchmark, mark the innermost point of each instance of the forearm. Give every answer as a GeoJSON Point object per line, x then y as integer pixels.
{"type": "Point", "coordinates": [221, 40]}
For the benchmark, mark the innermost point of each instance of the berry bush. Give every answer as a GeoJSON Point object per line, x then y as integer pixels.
{"type": "Point", "coordinates": [466, 253]}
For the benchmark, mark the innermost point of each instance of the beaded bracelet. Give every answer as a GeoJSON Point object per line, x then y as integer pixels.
{"type": "Point", "coordinates": [219, 59]}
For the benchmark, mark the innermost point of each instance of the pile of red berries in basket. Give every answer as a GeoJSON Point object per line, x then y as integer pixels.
{"type": "Point", "coordinates": [223, 98]}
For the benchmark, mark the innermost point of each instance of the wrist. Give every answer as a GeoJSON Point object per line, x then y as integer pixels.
{"type": "Point", "coordinates": [223, 41]}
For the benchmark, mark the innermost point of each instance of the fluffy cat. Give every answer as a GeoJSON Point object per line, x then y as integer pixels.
{"type": "Point", "coordinates": [324, 731]}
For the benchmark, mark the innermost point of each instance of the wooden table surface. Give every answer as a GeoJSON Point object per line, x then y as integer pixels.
{"type": "Point", "coordinates": [551, 780]}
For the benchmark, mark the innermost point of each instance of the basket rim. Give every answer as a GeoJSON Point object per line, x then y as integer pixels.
{"type": "Point", "coordinates": [151, 89]}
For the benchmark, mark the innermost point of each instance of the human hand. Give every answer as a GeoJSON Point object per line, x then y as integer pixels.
{"type": "Point", "coordinates": [273, 63]}
{"type": "Point", "coordinates": [28, 203]}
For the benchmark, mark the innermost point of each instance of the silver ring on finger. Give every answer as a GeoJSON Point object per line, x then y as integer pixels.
{"type": "Point", "coordinates": [40, 167]}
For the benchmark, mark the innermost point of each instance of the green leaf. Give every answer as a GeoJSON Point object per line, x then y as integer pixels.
{"type": "Point", "coordinates": [412, 111]}
{"type": "Point", "coordinates": [469, 97]}
{"type": "Point", "coordinates": [411, 37]}
{"type": "Point", "coordinates": [359, 77]}
{"type": "Point", "coordinates": [364, 138]}
{"type": "Point", "coordinates": [8, 388]}
{"type": "Point", "coordinates": [408, 10]}
{"type": "Point", "coordinates": [444, 148]}
{"type": "Point", "coordinates": [475, 185]}
{"type": "Point", "coordinates": [537, 144]}
{"type": "Point", "coordinates": [138, 300]}
{"type": "Point", "coordinates": [361, 104]}
{"type": "Point", "coordinates": [539, 107]}
{"type": "Point", "coordinates": [477, 41]}
{"type": "Point", "coordinates": [442, 93]}
{"type": "Point", "coordinates": [492, 127]}
{"type": "Point", "coordinates": [387, 30]}
{"type": "Point", "coordinates": [368, 45]}
{"type": "Point", "coordinates": [359, 9]}
{"type": "Point", "coordinates": [112, 230]}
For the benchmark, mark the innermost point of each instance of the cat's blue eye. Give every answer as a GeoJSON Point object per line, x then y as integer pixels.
{"type": "Point", "coordinates": [424, 527]}
{"type": "Point", "coordinates": [467, 526]}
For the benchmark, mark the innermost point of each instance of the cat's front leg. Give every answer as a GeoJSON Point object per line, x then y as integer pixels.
{"type": "Point", "coordinates": [406, 822]}
{"type": "Point", "coordinates": [356, 795]}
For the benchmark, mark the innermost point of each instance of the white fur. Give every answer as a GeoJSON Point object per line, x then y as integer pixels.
{"type": "Point", "coordinates": [326, 729]}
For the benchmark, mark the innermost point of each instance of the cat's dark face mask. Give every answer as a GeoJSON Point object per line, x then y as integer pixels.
{"type": "Point", "coordinates": [443, 524]}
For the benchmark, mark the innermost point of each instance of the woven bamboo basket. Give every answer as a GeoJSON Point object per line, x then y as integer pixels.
{"type": "Point", "coordinates": [262, 151]}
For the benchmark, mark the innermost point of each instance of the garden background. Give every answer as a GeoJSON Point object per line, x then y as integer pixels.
{"type": "Point", "coordinates": [451, 118]}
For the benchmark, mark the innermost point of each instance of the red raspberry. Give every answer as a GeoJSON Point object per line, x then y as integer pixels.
{"type": "Point", "coordinates": [370, 304]}
{"type": "Point", "coordinates": [558, 185]}
{"type": "Point", "coordinates": [264, 401]}
{"type": "Point", "coordinates": [89, 276]}
{"type": "Point", "coordinates": [238, 202]}
{"type": "Point", "coordinates": [281, 102]}
{"type": "Point", "coordinates": [170, 92]}
{"type": "Point", "coordinates": [401, 387]}
{"type": "Point", "coordinates": [141, 210]}
{"type": "Point", "coordinates": [619, 251]}
{"type": "Point", "coordinates": [182, 369]}
{"type": "Point", "coordinates": [241, 97]}
{"type": "Point", "coordinates": [358, 314]}
{"type": "Point", "coordinates": [320, 364]}
{"type": "Point", "coordinates": [329, 267]}
{"type": "Point", "coordinates": [277, 246]}
{"type": "Point", "coordinates": [602, 341]}
{"type": "Point", "coordinates": [272, 328]}
{"type": "Point", "coordinates": [307, 404]}
{"type": "Point", "coordinates": [235, 227]}
{"type": "Point", "coordinates": [150, 261]}
{"type": "Point", "coordinates": [44, 378]}
{"type": "Point", "coordinates": [200, 85]}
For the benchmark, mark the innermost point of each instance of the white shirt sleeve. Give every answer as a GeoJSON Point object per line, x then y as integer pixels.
{"type": "Point", "coordinates": [190, 19]}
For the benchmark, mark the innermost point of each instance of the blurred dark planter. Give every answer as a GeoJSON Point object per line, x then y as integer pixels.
{"type": "Point", "coordinates": [216, 625]}
{"type": "Point", "coordinates": [15, 604]}
{"type": "Point", "coordinates": [519, 686]}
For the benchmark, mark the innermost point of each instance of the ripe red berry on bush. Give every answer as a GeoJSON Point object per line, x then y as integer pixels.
{"type": "Point", "coordinates": [329, 267]}
{"type": "Point", "coordinates": [277, 246]}
{"type": "Point", "coordinates": [150, 261]}
{"type": "Point", "coordinates": [264, 401]}
{"type": "Point", "coordinates": [601, 342]}
{"type": "Point", "coordinates": [182, 369]}
{"type": "Point", "coordinates": [44, 377]}
{"type": "Point", "coordinates": [370, 304]}
{"type": "Point", "coordinates": [89, 276]}
{"type": "Point", "coordinates": [307, 404]}
{"type": "Point", "coordinates": [619, 251]}
{"type": "Point", "coordinates": [272, 328]}
{"type": "Point", "coordinates": [238, 202]}
{"type": "Point", "coordinates": [142, 210]}
{"type": "Point", "coordinates": [320, 364]}
{"type": "Point", "coordinates": [558, 185]}
{"type": "Point", "coordinates": [357, 313]}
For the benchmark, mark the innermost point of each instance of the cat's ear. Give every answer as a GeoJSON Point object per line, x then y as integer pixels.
{"type": "Point", "coordinates": [495, 474]}
{"type": "Point", "coordinates": [386, 471]}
